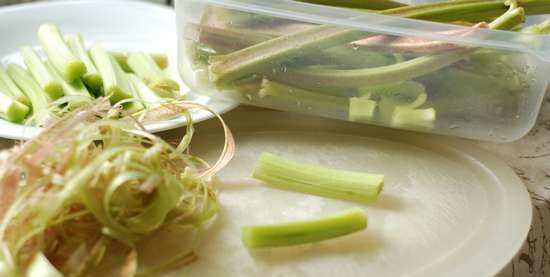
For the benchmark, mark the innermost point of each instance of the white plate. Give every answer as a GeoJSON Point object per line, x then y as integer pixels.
{"type": "Point", "coordinates": [117, 25]}
{"type": "Point", "coordinates": [447, 208]}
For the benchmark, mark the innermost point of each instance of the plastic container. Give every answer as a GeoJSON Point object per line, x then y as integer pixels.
{"type": "Point", "coordinates": [471, 82]}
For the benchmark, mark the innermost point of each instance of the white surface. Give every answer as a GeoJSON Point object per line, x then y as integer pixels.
{"type": "Point", "coordinates": [117, 25]}
{"type": "Point", "coordinates": [447, 209]}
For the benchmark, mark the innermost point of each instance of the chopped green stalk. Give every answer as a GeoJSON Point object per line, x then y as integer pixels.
{"type": "Point", "coordinates": [285, 174]}
{"type": "Point", "coordinates": [41, 267]}
{"type": "Point", "coordinates": [148, 96]}
{"type": "Point", "coordinates": [268, 54]}
{"type": "Point", "coordinates": [358, 4]}
{"type": "Point", "coordinates": [11, 109]}
{"type": "Point", "coordinates": [28, 85]}
{"type": "Point", "coordinates": [352, 78]}
{"type": "Point", "coordinates": [122, 60]}
{"type": "Point", "coordinates": [7, 85]}
{"type": "Point", "coordinates": [361, 109]}
{"type": "Point", "coordinates": [76, 88]}
{"type": "Point", "coordinates": [92, 78]}
{"type": "Point", "coordinates": [115, 84]}
{"type": "Point", "coordinates": [305, 231]}
{"type": "Point", "coordinates": [408, 117]}
{"type": "Point", "coordinates": [301, 97]}
{"type": "Point", "coordinates": [160, 59]}
{"type": "Point", "coordinates": [144, 66]}
{"type": "Point", "coordinates": [41, 74]}
{"type": "Point", "coordinates": [59, 53]}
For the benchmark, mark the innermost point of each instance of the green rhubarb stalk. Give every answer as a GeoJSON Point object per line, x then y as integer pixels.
{"type": "Point", "coordinates": [76, 88]}
{"type": "Point", "coordinates": [351, 78]}
{"type": "Point", "coordinates": [59, 53]}
{"type": "Point", "coordinates": [223, 41]}
{"type": "Point", "coordinates": [7, 85]}
{"type": "Point", "coordinates": [115, 84]}
{"type": "Point", "coordinates": [30, 87]}
{"type": "Point", "coordinates": [41, 74]}
{"type": "Point", "coordinates": [160, 59]}
{"type": "Point", "coordinates": [301, 97]}
{"type": "Point", "coordinates": [305, 231]}
{"type": "Point", "coordinates": [411, 118]}
{"type": "Point", "coordinates": [268, 54]}
{"type": "Point", "coordinates": [286, 174]}
{"type": "Point", "coordinates": [144, 66]}
{"type": "Point", "coordinates": [358, 4]}
{"type": "Point", "coordinates": [143, 92]}
{"type": "Point", "coordinates": [361, 109]}
{"type": "Point", "coordinates": [92, 78]}
{"type": "Point", "coordinates": [11, 109]}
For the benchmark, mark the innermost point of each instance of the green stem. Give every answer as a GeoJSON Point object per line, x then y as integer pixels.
{"type": "Point", "coordinates": [306, 231]}
{"type": "Point", "coordinates": [11, 109]}
{"type": "Point", "coordinates": [271, 53]}
{"type": "Point", "coordinates": [302, 98]}
{"type": "Point", "coordinates": [76, 88]}
{"type": "Point", "coordinates": [350, 78]}
{"type": "Point", "coordinates": [285, 174]}
{"type": "Point", "coordinates": [160, 59]}
{"type": "Point", "coordinates": [115, 84]}
{"type": "Point", "coordinates": [59, 53]}
{"type": "Point", "coordinates": [144, 66]}
{"type": "Point", "coordinates": [28, 85]}
{"type": "Point", "coordinates": [7, 85]}
{"type": "Point", "coordinates": [361, 109]}
{"type": "Point", "coordinates": [92, 78]}
{"type": "Point", "coordinates": [41, 74]}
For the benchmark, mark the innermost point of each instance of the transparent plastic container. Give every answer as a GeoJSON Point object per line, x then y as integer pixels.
{"type": "Point", "coordinates": [466, 81]}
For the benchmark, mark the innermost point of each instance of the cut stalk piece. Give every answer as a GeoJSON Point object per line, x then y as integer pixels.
{"type": "Point", "coordinates": [76, 88]}
{"type": "Point", "coordinates": [41, 74]}
{"type": "Point", "coordinates": [28, 85]}
{"type": "Point", "coordinates": [361, 109]}
{"type": "Point", "coordinates": [160, 59]}
{"type": "Point", "coordinates": [301, 97]}
{"type": "Point", "coordinates": [148, 96]}
{"type": "Point", "coordinates": [11, 109]}
{"type": "Point", "coordinates": [7, 85]}
{"type": "Point", "coordinates": [92, 78]}
{"type": "Point", "coordinates": [352, 78]}
{"type": "Point", "coordinates": [306, 231]}
{"type": "Point", "coordinates": [115, 84]}
{"type": "Point", "coordinates": [410, 118]}
{"type": "Point", "coordinates": [269, 54]}
{"type": "Point", "coordinates": [145, 67]}
{"type": "Point", "coordinates": [59, 53]}
{"type": "Point", "coordinates": [285, 174]}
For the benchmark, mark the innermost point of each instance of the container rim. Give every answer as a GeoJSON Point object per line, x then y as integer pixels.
{"type": "Point", "coordinates": [537, 45]}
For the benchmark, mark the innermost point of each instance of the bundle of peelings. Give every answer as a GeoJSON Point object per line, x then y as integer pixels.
{"type": "Point", "coordinates": [94, 194]}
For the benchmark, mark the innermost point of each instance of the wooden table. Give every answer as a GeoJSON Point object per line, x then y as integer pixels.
{"type": "Point", "coordinates": [530, 158]}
